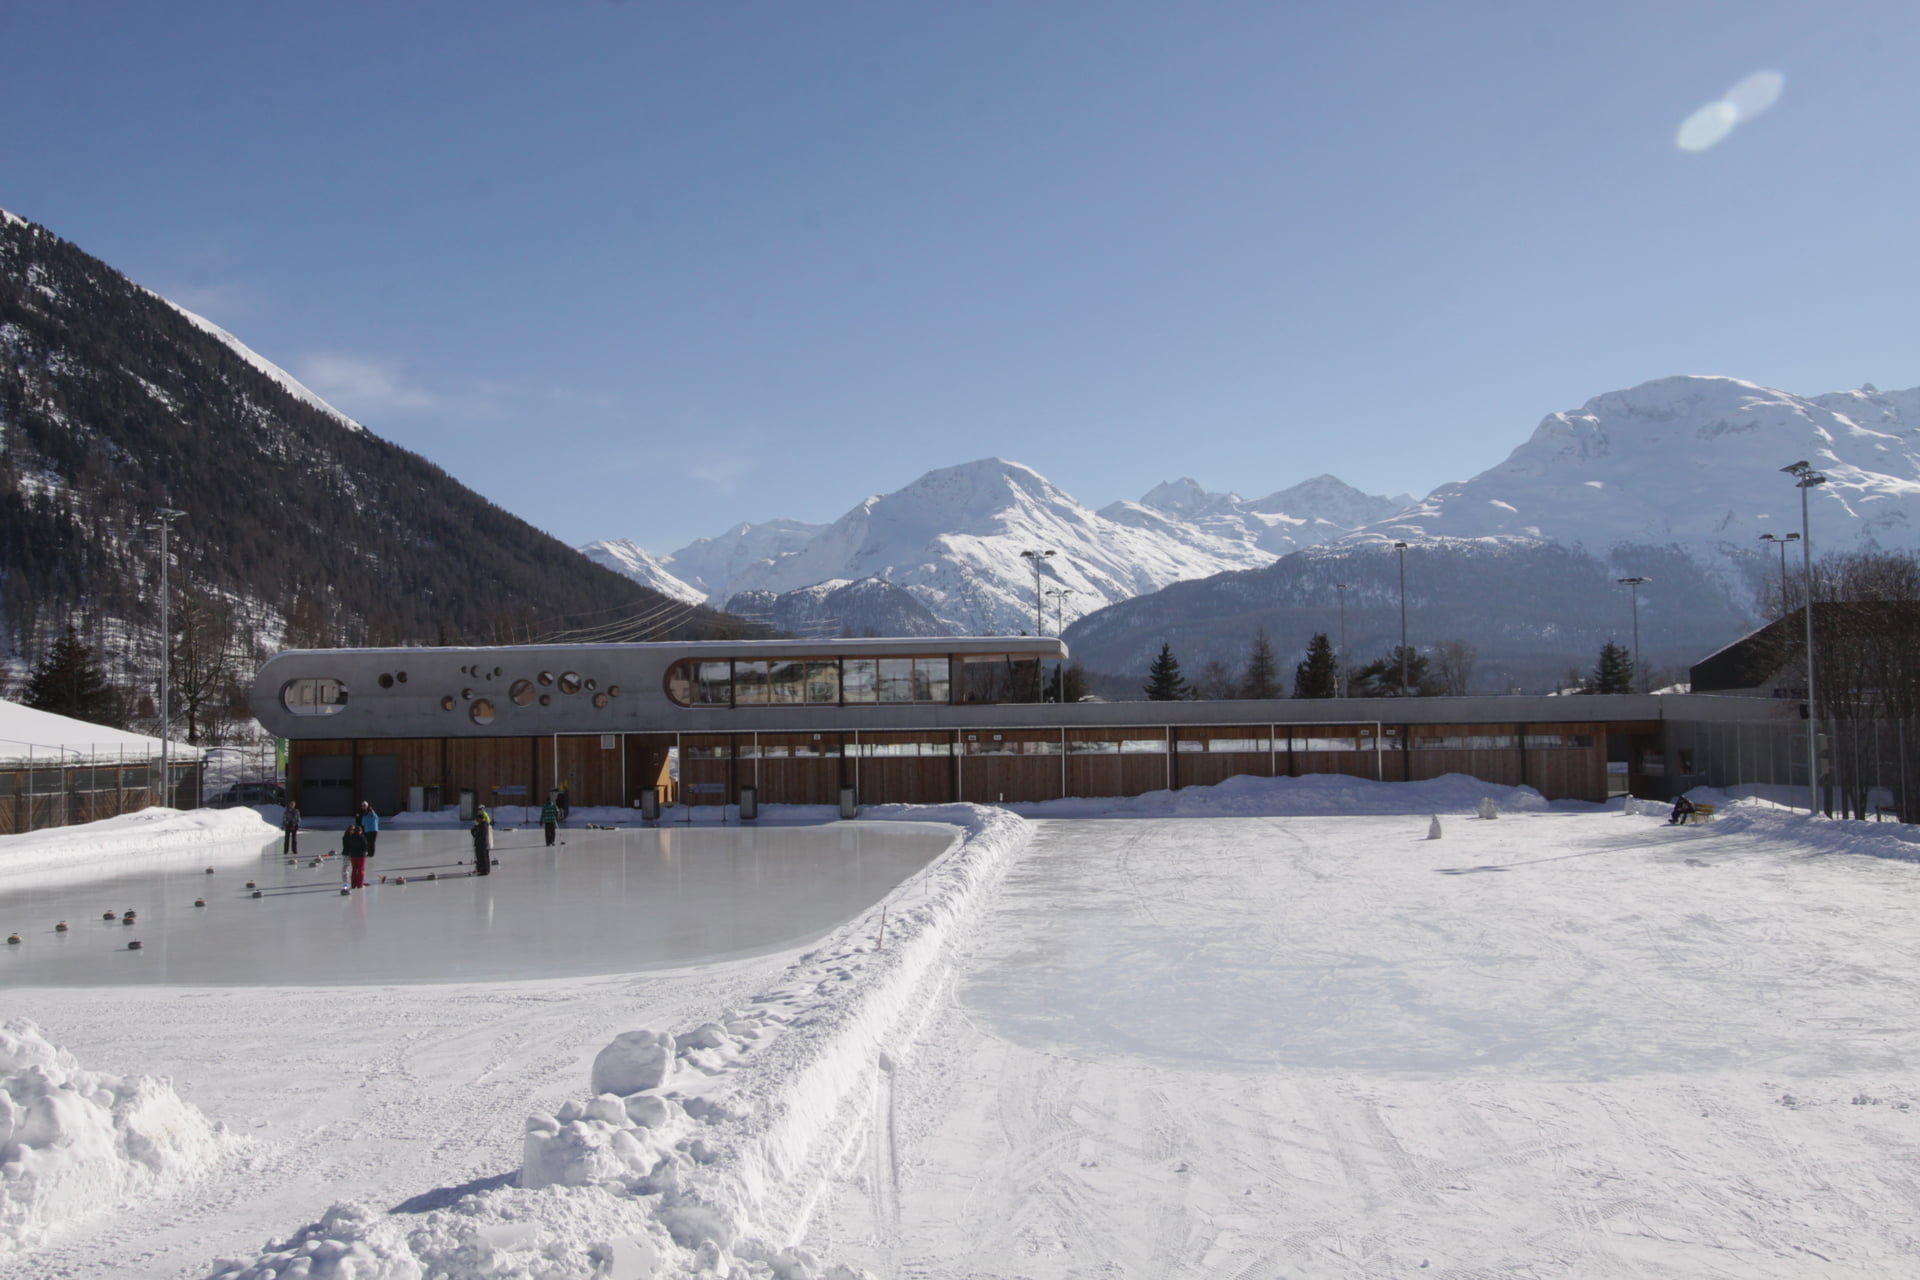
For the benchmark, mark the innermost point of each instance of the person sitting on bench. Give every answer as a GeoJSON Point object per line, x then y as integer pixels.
{"type": "Point", "coordinates": [1683, 809]}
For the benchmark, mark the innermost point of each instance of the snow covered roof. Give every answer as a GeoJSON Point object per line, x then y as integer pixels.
{"type": "Point", "coordinates": [29, 734]}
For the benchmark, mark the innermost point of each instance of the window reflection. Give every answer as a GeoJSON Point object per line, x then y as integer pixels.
{"type": "Point", "coordinates": [714, 685]}
{"type": "Point", "coordinates": [749, 684]}
{"type": "Point", "coordinates": [896, 679]}
{"type": "Point", "coordinates": [823, 682]}
{"type": "Point", "coordinates": [787, 683]}
{"type": "Point", "coordinates": [860, 680]}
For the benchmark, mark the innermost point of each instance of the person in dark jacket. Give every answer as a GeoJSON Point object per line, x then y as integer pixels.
{"type": "Point", "coordinates": [549, 818]}
{"type": "Point", "coordinates": [290, 827]}
{"type": "Point", "coordinates": [1682, 810]}
{"type": "Point", "coordinates": [369, 825]}
{"type": "Point", "coordinates": [353, 847]}
{"type": "Point", "coordinates": [482, 833]}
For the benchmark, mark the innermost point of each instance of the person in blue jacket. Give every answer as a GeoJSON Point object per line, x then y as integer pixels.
{"type": "Point", "coordinates": [369, 825]}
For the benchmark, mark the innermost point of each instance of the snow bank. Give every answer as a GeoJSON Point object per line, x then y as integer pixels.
{"type": "Point", "coordinates": [75, 1142]}
{"type": "Point", "coordinates": [700, 1153]}
{"type": "Point", "coordinates": [106, 846]}
{"type": "Point", "coordinates": [1315, 795]}
{"type": "Point", "coordinates": [1812, 837]}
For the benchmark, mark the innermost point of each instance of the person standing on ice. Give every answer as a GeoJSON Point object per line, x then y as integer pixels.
{"type": "Point", "coordinates": [290, 829]}
{"type": "Point", "coordinates": [353, 847]}
{"type": "Point", "coordinates": [482, 833]}
{"type": "Point", "coordinates": [550, 816]}
{"type": "Point", "coordinates": [565, 799]}
{"type": "Point", "coordinates": [369, 824]}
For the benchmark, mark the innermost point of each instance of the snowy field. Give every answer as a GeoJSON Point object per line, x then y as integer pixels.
{"type": "Point", "coordinates": [1264, 1029]}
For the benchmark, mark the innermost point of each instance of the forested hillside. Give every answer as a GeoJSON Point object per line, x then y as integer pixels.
{"type": "Point", "coordinates": [115, 404]}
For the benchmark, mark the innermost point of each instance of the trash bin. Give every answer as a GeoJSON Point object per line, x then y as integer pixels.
{"type": "Point", "coordinates": [849, 802]}
{"type": "Point", "coordinates": [749, 803]}
{"type": "Point", "coordinates": [650, 804]}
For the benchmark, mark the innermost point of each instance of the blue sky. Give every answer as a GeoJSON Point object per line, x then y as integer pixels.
{"type": "Point", "coordinates": [649, 269]}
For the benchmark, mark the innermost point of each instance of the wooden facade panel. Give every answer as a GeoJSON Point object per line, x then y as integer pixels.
{"type": "Point", "coordinates": [805, 780]}
{"type": "Point", "coordinates": [590, 769]}
{"type": "Point", "coordinates": [990, 779]}
{"type": "Point", "coordinates": [493, 768]}
{"type": "Point", "coordinates": [1204, 769]}
{"type": "Point", "coordinates": [1357, 764]}
{"type": "Point", "coordinates": [904, 779]}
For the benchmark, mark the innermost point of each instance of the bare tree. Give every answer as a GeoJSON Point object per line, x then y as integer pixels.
{"type": "Point", "coordinates": [205, 666]}
{"type": "Point", "coordinates": [1453, 667]}
{"type": "Point", "coordinates": [1216, 682]}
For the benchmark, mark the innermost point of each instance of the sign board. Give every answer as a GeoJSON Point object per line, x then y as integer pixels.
{"type": "Point", "coordinates": [509, 791]}
{"type": "Point", "coordinates": [707, 788]}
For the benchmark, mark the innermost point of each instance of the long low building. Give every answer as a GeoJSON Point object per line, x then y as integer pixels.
{"type": "Point", "coordinates": [909, 721]}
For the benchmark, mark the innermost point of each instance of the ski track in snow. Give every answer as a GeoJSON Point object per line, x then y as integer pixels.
{"type": "Point", "coordinates": [1602, 1047]}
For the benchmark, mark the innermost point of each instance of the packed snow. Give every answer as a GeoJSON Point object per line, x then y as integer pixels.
{"type": "Point", "coordinates": [1269, 1028]}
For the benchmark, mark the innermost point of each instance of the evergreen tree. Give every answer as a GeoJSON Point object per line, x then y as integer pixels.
{"type": "Point", "coordinates": [1613, 673]}
{"type": "Point", "coordinates": [70, 683]}
{"type": "Point", "coordinates": [1319, 675]}
{"type": "Point", "coordinates": [1163, 678]}
{"type": "Point", "coordinates": [1073, 683]}
{"type": "Point", "coordinates": [1381, 677]}
{"type": "Point", "coordinates": [1262, 679]}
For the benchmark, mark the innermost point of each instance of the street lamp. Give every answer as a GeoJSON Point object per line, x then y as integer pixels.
{"type": "Point", "coordinates": [1782, 542]}
{"type": "Point", "coordinates": [1805, 478]}
{"type": "Point", "coordinates": [1060, 595]}
{"type": "Point", "coordinates": [1401, 547]}
{"type": "Point", "coordinates": [1035, 558]}
{"type": "Point", "coordinates": [164, 519]}
{"type": "Point", "coordinates": [1341, 687]}
{"type": "Point", "coordinates": [1633, 585]}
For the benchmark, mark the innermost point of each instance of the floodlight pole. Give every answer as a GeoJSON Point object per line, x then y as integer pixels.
{"type": "Point", "coordinates": [1340, 686]}
{"type": "Point", "coordinates": [1035, 558]}
{"type": "Point", "coordinates": [1401, 547]}
{"type": "Point", "coordinates": [164, 523]}
{"type": "Point", "coordinates": [1805, 478]}
{"type": "Point", "coordinates": [1782, 541]}
{"type": "Point", "coordinates": [1633, 585]}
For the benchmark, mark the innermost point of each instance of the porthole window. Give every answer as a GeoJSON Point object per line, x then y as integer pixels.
{"type": "Point", "coordinates": [569, 682]}
{"type": "Point", "coordinates": [446, 703]}
{"type": "Point", "coordinates": [521, 693]}
{"type": "Point", "coordinates": [497, 672]}
{"type": "Point", "coordinates": [546, 699]}
{"type": "Point", "coordinates": [600, 699]}
{"type": "Point", "coordinates": [546, 677]}
{"type": "Point", "coordinates": [591, 684]}
{"type": "Point", "coordinates": [613, 690]}
{"type": "Point", "coordinates": [386, 680]}
{"type": "Point", "coordinates": [314, 696]}
{"type": "Point", "coordinates": [401, 676]}
{"type": "Point", "coordinates": [481, 712]}
{"type": "Point", "coordinates": [467, 694]}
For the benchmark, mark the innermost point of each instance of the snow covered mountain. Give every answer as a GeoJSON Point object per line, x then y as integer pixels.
{"type": "Point", "coordinates": [624, 556]}
{"type": "Point", "coordinates": [869, 607]}
{"type": "Point", "coordinates": [953, 538]}
{"type": "Point", "coordinates": [1309, 514]}
{"type": "Point", "coordinates": [1674, 480]}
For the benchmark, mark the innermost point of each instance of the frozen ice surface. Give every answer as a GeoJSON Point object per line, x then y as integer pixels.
{"type": "Point", "coordinates": [601, 902]}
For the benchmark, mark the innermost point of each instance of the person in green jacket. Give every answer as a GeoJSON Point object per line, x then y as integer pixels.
{"type": "Point", "coordinates": [549, 817]}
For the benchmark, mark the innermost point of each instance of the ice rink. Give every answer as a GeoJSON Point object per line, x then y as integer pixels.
{"type": "Point", "coordinates": [600, 902]}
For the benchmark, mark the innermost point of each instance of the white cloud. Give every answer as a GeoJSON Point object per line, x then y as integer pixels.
{"type": "Point", "coordinates": [361, 385]}
{"type": "Point", "coordinates": [1710, 125]}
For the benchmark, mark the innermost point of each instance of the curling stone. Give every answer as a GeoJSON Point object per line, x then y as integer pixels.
{"type": "Point", "coordinates": [134, 945]}
{"type": "Point", "coordinates": [13, 939]}
{"type": "Point", "coordinates": [61, 927]}
{"type": "Point", "coordinates": [344, 891]}
{"type": "Point", "coordinates": [256, 893]}
{"type": "Point", "coordinates": [108, 915]}
{"type": "Point", "coordinates": [209, 870]}
{"type": "Point", "coordinates": [251, 885]}
{"type": "Point", "coordinates": [399, 879]}
{"type": "Point", "coordinates": [127, 918]}
{"type": "Point", "coordinates": [433, 875]}
{"type": "Point", "coordinates": [199, 902]}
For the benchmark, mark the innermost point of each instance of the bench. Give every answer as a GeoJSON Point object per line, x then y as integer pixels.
{"type": "Point", "coordinates": [1701, 813]}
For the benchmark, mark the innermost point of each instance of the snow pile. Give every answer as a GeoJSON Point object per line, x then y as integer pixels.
{"type": "Point", "coordinates": [1817, 837]}
{"type": "Point", "coordinates": [701, 1153]}
{"type": "Point", "coordinates": [75, 1142]}
{"type": "Point", "coordinates": [107, 845]}
{"type": "Point", "coordinates": [1315, 795]}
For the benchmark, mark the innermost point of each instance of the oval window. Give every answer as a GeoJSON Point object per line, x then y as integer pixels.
{"type": "Point", "coordinates": [497, 672]}
{"type": "Point", "coordinates": [481, 712]}
{"type": "Point", "coordinates": [386, 680]}
{"type": "Point", "coordinates": [467, 694]}
{"type": "Point", "coordinates": [600, 699]}
{"type": "Point", "coordinates": [401, 676]}
{"type": "Point", "coordinates": [546, 677]}
{"type": "Point", "coordinates": [546, 699]}
{"type": "Point", "coordinates": [569, 682]}
{"type": "Point", "coordinates": [613, 690]}
{"type": "Point", "coordinates": [446, 703]}
{"type": "Point", "coordinates": [314, 696]}
{"type": "Point", "coordinates": [591, 685]}
{"type": "Point", "coordinates": [521, 693]}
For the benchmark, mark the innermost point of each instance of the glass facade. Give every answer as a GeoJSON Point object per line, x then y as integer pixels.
{"type": "Point", "coordinates": [832, 682]}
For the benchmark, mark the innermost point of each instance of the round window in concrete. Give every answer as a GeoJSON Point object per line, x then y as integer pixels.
{"type": "Point", "coordinates": [497, 671]}
{"type": "Point", "coordinates": [569, 682]}
{"type": "Point", "coordinates": [401, 676]}
{"type": "Point", "coordinates": [521, 693]}
{"type": "Point", "coordinates": [613, 690]}
{"type": "Point", "coordinates": [546, 677]}
{"type": "Point", "coordinates": [601, 699]}
{"type": "Point", "coordinates": [446, 703]}
{"type": "Point", "coordinates": [591, 684]}
{"type": "Point", "coordinates": [546, 699]}
{"type": "Point", "coordinates": [386, 680]}
{"type": "Point", "coordinates": [481, 712]}
{"type": "Point", "coordinates": [467, 694]}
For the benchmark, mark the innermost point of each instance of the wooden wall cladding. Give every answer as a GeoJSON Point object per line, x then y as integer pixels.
{"type": "Point", "coordinates": [590, 768]}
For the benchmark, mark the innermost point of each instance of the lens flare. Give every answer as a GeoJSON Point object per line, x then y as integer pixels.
{"type": "Point", "coordinates": [1710, 125]}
